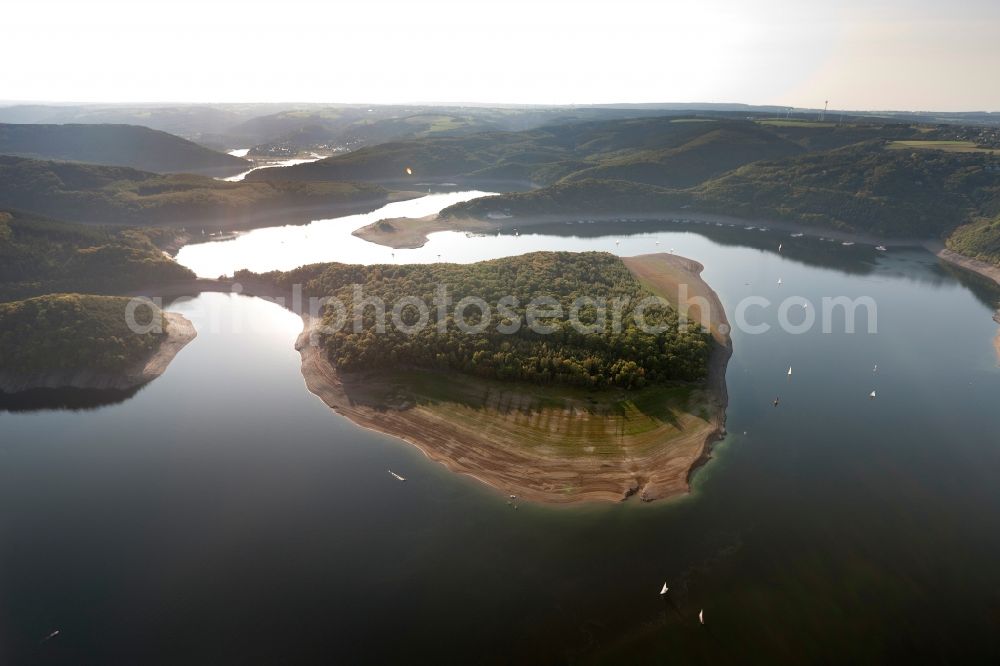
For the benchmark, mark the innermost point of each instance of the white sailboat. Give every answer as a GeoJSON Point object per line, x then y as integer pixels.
{"type": "Point", "coordinates": [875, 369]}
{"type": "Point", "coordinates": [665, 588]}
{"type": "Point", "coordinates": [701, 616]}
{"type": "Point", "coordinates": [872, 395]}
{"type": "Point", "coordinates": [789, 371]}
{"type": "Point", "coordinates": [779, 282]}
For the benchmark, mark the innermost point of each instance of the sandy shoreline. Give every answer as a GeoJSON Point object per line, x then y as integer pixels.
{"type": "Point", "coordinates": [543, 474]}
{"type": "Point", "coordinates": [987, 270]}
{"type": "Point", "coordinates": [410, 233]}
{"type": "Point", "coordinates": [180, 332]}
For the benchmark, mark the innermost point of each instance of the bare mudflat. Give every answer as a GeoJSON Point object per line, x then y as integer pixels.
{"type": "Point", "coordinates": [546, 444]}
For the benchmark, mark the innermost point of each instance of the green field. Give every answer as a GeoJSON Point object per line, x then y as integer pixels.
{"type": "Point", "coordinates": [794, 122]}
{"type": "Point", "coordinates": [947, 146]}
{"type": "Point", "coordinates": [573, 420]}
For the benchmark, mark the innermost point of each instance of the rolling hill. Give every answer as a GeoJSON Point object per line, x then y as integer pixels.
{"type": "Point", "coordinates": [117, 145]}
{"type": "Point", "coordinates": [41, 256]}
{"type": "Point", "coordinates": [867, 187]}
{"type": "Point", "coordinates": [119, 195]}
{"type": "Point", "coordinates": [659, 151]}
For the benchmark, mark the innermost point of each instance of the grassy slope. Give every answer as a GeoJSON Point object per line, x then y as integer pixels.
{"type": "Point", "coordinates": [39, 256]}
{"type": "Point", "coordinates": [564, 420]}
{"type": "Point", "coordinates": [119, 195]}
{"type": "Point", "coordinates": [117, 145]}
{"type": "Point", "coordinates": [71, 332]}
{"type": "Point", "coordinates": [839, 176]}
{"type": "Point", "coordinates": [948, 146]}
{"type": "Point", "coordinates": [657, 151]}
{"type": "Point", "coordinates": [862, 187]}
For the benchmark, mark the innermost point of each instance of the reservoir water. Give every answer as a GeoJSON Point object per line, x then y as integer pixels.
{"type": "Point", "coordinates": [223, 514]}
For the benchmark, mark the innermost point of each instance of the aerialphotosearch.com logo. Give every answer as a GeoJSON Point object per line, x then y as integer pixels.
{"type": "Point", "coordinates": [543, 314]}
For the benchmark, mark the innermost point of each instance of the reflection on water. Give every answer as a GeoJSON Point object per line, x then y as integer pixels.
{"type": "Point", "coordinates": [269, 164]}
{"type": "Point", "coordinates": [225, 515]}
{"type": "Point", "coordinates": [284, 248]}
{"type": "Point", "coordinates": [63, 399]}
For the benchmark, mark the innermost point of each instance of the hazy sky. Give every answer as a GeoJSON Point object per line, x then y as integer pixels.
{"type": "Point", "coordinates": [877, 54]}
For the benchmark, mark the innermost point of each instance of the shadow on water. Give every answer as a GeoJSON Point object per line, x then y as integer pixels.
{"type": "Point", "coordinates": [984, 289]}
{"type": "Point", "coordinates": [64, 399]}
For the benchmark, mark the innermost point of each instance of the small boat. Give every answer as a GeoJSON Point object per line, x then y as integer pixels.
{"type": "Point", "coordinates": [880, 248]}
{"type": "Point", "coordinates": [701, 616]}
{"type": "Point", "coordinates": [847, 243]}
{"type": "Point", "coordinates": [799, 235]}
{"type": "Point", "coordinates": [665, 588]}
{"type": "Point", "coordinates": [657, 242]}
{"type": "Point", "coordinates": [779, 247]}
{"type": "Point", "coordinates": [872, 395]}
{"type": "Point", "coordinates": [779, 282]}
{"type": "Point", "coordinates": [789, 371]}
{"type": "Point", "coordinates": [618, 242]}
{"type": "Point", "coordinates": [51, 636]}
{"type": "Point", "coordinates": [875, 369]}
{"type": "Point", "coordinates": [776, 401]}
{"type": "Point", "coordinates": [397, 476]}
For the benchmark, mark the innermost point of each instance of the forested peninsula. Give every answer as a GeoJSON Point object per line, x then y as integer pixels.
{"type": "Point", "coordinates": [557, 416]}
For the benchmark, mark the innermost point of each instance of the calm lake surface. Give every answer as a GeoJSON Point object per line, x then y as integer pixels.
{"type": "Point", "coordinates": [223, 514]}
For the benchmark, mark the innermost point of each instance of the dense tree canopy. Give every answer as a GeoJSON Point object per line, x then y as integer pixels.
{"type": "Point", "coordinates": [869, 188]}
{"type": "Point", "coordinates": [624, 356]}
{"type": "Point", "coordinates": [39, 256]}
{"type": "Point", "coordinates": [73, 332]}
